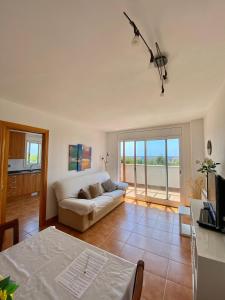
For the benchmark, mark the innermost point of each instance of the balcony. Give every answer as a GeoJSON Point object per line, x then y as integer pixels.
{"type": "Point", "coordinates": [156, 179]}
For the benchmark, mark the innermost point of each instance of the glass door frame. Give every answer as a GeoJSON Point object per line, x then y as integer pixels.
{"type": "Point", "coordinates": [166, 201]}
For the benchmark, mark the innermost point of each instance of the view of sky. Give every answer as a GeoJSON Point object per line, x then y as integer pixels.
{"type": "Point", "coordinates": [154, 148]}
{"type": "Point", "coordinates": [33, 152]}
{"type": "Point", "coordinates": [34, 149]}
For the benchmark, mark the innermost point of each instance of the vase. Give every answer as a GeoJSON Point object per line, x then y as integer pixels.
{"type": "Point", "coordinates": [207, 184]}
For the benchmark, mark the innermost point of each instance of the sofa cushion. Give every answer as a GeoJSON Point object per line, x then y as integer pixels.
{"type": "Point", "coordinates": [80, 206]}
{"type": "Point", "coordinates": [83, 194]}
{"type": "Point", "coordinates": [115, 194]}
{"type": "Point", "coordinates": [69, 187]}
{"type": "Point", "coordinates": [95, 190]}
{"type": "Point", "coordinates": [83, 207]}
{"type": "Point", "coordinates": [102, 203]}
{"type": "Point", "coordinates": [109, 186]}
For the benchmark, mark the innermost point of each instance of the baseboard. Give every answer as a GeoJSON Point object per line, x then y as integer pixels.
{"type": "Point", "coordinates": [51, 221]}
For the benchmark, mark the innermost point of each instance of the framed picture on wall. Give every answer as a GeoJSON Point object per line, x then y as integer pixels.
{"type": "Point", "coordinates": [84, 157]}
{"type": "Point", "coordinates": [73, 157]}
{"type": "Point", "coordinates": [79, 157]}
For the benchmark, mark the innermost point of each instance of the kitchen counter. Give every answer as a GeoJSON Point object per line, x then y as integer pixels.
{"type": "Point", "coordinates": [21, 172]}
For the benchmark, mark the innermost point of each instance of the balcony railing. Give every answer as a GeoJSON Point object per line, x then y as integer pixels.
{"type": "Point", "coordinates": [156, 180]}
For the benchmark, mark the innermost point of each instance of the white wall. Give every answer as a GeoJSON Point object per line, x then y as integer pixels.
{"type": "Point", "coordinates": [180, 130]}
{"type": "Point", "coordinates": [61, 134]}
{"type": "Point", "coordinates": [197, 144]}
{"type": "Point", "coordinates": [214, 130]}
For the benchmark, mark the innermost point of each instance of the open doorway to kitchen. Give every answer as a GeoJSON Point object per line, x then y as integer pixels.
{"type": "Point", "coordinates": [24, 180]}
{"type": "Point", "coordinates": [23, 161]}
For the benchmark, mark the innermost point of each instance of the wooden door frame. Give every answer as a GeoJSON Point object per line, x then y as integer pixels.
{"type": "Point", "coordinates": [4, 148]}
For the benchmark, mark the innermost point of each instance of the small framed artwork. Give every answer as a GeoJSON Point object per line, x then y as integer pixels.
{"type": "Point", "coordinates": [79, 157]}
{"type": "Point", "coordinates": [84, 157]}
{"type": "Point", "coordinates": [73, 157]}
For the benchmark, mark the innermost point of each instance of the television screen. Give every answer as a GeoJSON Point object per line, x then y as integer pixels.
{"type": "Point", "coordinates": [220, 202]}
{"type": "Point", "coordinates": [212, 189]}
{"type": "Point", "coordinates": [216, 196]}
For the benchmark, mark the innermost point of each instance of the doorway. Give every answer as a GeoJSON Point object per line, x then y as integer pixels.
{"type": "Point", "coordinates": [152, 169]}
{"type": "Point", "coordinates": [23, 178]}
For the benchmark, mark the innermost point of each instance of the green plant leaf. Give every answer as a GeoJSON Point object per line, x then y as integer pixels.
{"type": "Point", "coordinates": [11, 287]}
{"type": "Point", "coordinates": [4, 282]}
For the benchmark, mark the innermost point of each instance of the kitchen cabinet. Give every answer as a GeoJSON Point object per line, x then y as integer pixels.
{"type": "Point", "coordinates": [35, 182]}
{"type": "Point", "coordinates": [31, 183]}
{"type": "Point", "coordinates": [11, 187]}
{"type": "Point", "coordinates": [23, 184]}
{"type": "Point", "coordinates": [16, 145]}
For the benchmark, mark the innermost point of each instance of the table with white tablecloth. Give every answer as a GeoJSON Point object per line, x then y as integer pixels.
{"type": "Point", "coordinates": [36, 262]}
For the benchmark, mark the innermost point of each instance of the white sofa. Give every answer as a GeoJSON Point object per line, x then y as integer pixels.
{"type": "Point", "coordinates": [82, 213]}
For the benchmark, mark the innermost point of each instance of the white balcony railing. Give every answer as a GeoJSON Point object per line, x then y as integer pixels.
{"type": "Point", "coordinates": [156, 175]}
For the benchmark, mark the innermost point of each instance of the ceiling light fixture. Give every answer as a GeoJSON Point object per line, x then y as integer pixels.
{"type": "Point", "coordinates": [159, 59]}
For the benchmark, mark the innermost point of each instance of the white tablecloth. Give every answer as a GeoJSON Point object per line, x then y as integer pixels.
{"type": "Point", "coordinates": [35, 263]}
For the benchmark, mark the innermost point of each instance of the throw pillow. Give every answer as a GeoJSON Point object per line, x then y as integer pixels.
{"type": "Point", "coordinates": [95, 190]}
{"type": "Point", "coordinates": [83, 194]}
{"type": "Point", "coordinates": [109, 186]}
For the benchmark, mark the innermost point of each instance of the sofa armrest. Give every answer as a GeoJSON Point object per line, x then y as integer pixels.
{"type": "Point", "coordinates": [122, 186]}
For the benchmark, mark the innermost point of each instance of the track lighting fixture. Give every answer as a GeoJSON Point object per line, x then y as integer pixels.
{"type": "Point", "coordinates": [159, 59]}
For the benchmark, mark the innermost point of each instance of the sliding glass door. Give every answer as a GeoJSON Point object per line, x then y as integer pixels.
{"type": "Point", "coordinates": [174, 171]}
{"type": "Point", "coordinates": [152, 169]}
{"type": "Point", "coordinates": [140, 170]}
{"type": "Point", "coordinates": [156, 169]}
{"type": "Point", "coordinates": [129, 166]}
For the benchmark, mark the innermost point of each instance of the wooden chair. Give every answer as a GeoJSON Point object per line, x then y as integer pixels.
{"type": "Point", "coordinates": [11, 224]}
{"type": "Point", "coordinates": [138, 280]}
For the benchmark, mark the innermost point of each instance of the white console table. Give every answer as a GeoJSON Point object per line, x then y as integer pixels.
{"type": "Point", "coordinates": [208, 259]}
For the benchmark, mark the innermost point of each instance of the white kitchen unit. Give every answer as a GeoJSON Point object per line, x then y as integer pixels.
{"type": "Point", "coordinates": [208, 259]}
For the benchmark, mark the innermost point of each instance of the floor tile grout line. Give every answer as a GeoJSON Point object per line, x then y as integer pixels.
{"type": "Point", "coordinates": [167, 244]}
{"type": "Point", "coordinates": [167, 272]}
{"type": "Point", "coordinates": [160, 255]}
{"type": "Point", "coordinates": [179, 284]}
{"type": "Point", "coordinates": [151, 237]}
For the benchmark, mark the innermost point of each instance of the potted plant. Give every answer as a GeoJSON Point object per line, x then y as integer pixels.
{"type": "Point", "coordinates": [7, 288]}
{"type": "Point", "coordinates": [207, 166]}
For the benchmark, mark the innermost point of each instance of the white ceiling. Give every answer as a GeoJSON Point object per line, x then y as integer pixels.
{"type": "Point", "coordinates": [74, 58]}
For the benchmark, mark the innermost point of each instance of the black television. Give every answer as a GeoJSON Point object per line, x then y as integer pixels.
{"type": "Point", "coordinates": [216, 196]}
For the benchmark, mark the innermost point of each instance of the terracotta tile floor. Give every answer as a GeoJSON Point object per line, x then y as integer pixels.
{"type": "Point", "coordinates": [154, 193]}
{"type": "Point", "coordinates": [26, 209]}
{"type": "Point", "coordinates": [138, 230]}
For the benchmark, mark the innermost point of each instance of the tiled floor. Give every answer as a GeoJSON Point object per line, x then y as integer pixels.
{"type": "Point", "coordinates": [154, 193]}
{"type": "Point", "coordinates": [26, 209]}
{"type": "Point", "coordinates": [137, 230]}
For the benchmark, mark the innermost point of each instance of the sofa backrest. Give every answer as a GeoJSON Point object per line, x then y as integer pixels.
{"type": "Point", "coordinates": [69, 187]}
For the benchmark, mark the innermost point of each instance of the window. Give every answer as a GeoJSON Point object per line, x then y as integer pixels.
{"type": "Point", "coordinates": [33, 153]}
